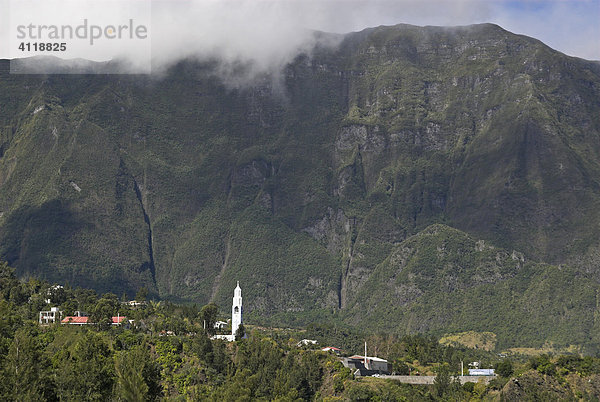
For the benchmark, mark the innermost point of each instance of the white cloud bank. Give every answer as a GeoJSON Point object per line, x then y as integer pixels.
{"type": "Point", "coordinates": [269, 33]}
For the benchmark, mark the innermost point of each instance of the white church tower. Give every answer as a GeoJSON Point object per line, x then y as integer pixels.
{"type": "Point", "coordinates": [236, 310]}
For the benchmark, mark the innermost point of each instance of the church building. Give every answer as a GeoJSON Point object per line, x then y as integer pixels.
{"type": "Point", "coordinates": [236, 315]}
{"type": "Point", "coordinates": [236, 310]}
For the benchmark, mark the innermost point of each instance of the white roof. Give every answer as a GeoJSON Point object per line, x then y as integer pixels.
{"type": "Point", "coordinates": [481, 371]}
{"type": "Point", "coordinates": [373, 358]}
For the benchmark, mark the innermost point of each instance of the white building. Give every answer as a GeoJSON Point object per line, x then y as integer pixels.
{"type": "Point", "coordinates": [236, 310]}
{"type": "Point", "coordinates": [368, 365]}
{"type": "Point", "coordinates": [220, 325]}
{"type": "Point", "coordinates": [49, 317]}
{"type": "Point", "coordinates": [486, 372]}
{"type": "Point", "coordinates": [306, 342]}
{"type": "Point", "coordinates": [236, 315]}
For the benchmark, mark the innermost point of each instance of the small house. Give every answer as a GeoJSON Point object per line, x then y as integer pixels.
{"type": "Point", "coordinates": [84, 320]}
{"type": "Point", "coordinates": [482, 372]}
{"type": "Point", "coordinates": [366, 366]}
{"type": "Point", "coordinates": [220, 325]}
{"type": "Point", "coordinates": [75, 320]}
{"type": "Point", "coordinates": [332, 349]}
{"type": "Point", "coordinates": [50, 317]}
{"type": "Point", "coordinates": [135, 303]}
{"type": "Point", "coordinates": [306, 342]}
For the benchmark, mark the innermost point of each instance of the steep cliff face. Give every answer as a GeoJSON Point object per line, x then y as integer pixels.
{"type": "Point", "coordinates": [305, 192]}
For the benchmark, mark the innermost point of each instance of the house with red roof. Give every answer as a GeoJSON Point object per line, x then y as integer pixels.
{"type": "Point", "coordinates": [78, 320]}
{"type": "Point", "coordinates": [75, 320]}
{"type": "Point", "coordinates": [332, 349]}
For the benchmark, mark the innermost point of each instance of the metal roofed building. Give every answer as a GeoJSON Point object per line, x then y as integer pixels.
{"type": "Point", "coordinates": [368, 365]}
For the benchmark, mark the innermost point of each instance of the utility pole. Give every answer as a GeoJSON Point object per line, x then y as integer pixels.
{"type": "Point", "coordinates": [366, 356]}
{"type": "Point", "coordinates": [461, 368]}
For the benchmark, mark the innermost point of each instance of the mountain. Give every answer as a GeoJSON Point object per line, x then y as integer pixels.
{"type": "Point", "coordinates": [327, 191]}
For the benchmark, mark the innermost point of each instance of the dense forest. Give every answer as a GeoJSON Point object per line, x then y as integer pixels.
{"type": "Point", "coordinates": [165, 353]}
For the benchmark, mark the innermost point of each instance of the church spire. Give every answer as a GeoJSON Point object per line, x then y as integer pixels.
{"type": "Point", "coordinates": [236, 309]}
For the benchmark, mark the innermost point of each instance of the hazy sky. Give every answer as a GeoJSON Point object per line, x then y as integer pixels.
{"type": "Point", "coordinates": [270, 32]}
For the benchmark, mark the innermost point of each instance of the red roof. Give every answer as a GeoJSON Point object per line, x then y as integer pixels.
{"type": "Point", "coordinates": [330, 348]}
{"type": "Point", "coordinates": [85, 320]}
{"type": "Point", "coordinates": [75, 320]}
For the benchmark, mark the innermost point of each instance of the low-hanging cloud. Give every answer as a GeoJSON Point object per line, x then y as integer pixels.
{"type": "Point", "coordinates": [265, 35]}
{"type": "Point", "coordinates": [261, 35]}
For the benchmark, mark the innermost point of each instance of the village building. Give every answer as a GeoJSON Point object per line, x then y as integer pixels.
{"type": "Point", "coordinates": [332, 349]}
{"type": "Point", "coordinates": [220, 325]}
{"type": "Point", "coordinates": [367, 366]}
{"type": "Point", "coordinates": [50, 317]}
{"type": "Point", "coordinates": [75, 320]}
{"type": "Point", "coordinates": [135, 303]}
{"type": "Point", "coordinates": [236, 315]}
{"type": "Point", "coordinates": [85, 320]}
{"type": "Point", "coordinates": [482, 372]}
{"type": "Point", "coordinates": [306, 342]}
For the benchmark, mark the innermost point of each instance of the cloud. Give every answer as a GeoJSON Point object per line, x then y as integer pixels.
{"type": "Point", "coordinates": [267, 34]}
{"type": "Point", "coordinates": [264, 35]}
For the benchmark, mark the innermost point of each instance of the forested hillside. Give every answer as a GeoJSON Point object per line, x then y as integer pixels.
{"type": "Point", "coordinates": [162, 352]}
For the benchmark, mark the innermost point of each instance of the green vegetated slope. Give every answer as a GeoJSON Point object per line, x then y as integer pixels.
{"type": "Point", "coordinates": [441, 280]}
{"type": "Point", "coordinates": [307, 187]}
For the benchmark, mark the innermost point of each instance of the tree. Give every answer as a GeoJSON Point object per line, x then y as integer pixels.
{"type": "Point", "coordinates": [359, 393]}
{"type": "Point", "coordinates": [504, 368]}
{"type": "Point", "coordinates": [22, 369]}
{"type": "Point", "coordinates": [7, 279]}
{"type": "Point", "coordinates": [129, 369]}
{"type": "Point", "coordinates": [543, 364]}
{"type": "Point", "coordinates": [141, 294]}
{"type": "Point", "coordinates": [240, 333]}
{"type": "Point", "coordinates": [10, 287]}
{"type": "Point", "coordinates": [202, 347]}
{"type": "Point", "coordinates": [401, 368]}
{"type": "Point", "coordinates": [104, 310]}
{"type": "Point", "coordinates": [85, 370]}
{"type": "Point", "coordinates": [156, 307]}
{"type": "Point", "coordinates": [220, 357]}
{"type": "Point", "coordinates": [208, 317]}
{"type": "Point", "coordinates": [442, 381]}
